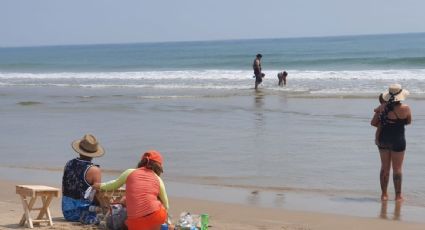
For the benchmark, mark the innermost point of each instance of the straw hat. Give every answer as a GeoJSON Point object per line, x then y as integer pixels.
{"type": "Point", "coordinates": [395, 90]}
{"type": "Point", "coordinates": [88, 146]}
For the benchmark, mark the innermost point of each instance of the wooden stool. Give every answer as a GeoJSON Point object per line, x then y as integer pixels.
{"type": "Point", "coordinates": [46, 194]}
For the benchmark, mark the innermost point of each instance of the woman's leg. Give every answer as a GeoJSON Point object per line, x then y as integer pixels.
{"type": "Point", "coordinates": [397, 162]}
{"type": "Point", "coordinates": [384, 174]}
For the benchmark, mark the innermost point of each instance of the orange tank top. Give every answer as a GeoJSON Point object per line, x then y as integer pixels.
{"type": "Point", "coordinates": [142, 190]}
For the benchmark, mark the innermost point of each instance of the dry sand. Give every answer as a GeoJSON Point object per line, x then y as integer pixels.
{"type": "Point", "coordinates": [222, 216]}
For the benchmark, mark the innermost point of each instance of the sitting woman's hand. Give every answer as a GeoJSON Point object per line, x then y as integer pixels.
{"type": "Point", "coordinates": [96, 186]}
{"type": "Point", "coordinates": [123, 201]}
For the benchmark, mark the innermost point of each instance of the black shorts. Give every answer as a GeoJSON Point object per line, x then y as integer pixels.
{"type": "Point", "coordinates": [393, 144]}
{"type": "Point", "coordinates": [258, 80]}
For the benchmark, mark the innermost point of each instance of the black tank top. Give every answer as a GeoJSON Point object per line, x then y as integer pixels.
{"type": "Point", "coordinates": [74, 182]}
{"type": "Point", "coordinates": [394, 129]}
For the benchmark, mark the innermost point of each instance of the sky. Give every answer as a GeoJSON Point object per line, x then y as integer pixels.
{"type": "Point", "coordinates": [60, 22]}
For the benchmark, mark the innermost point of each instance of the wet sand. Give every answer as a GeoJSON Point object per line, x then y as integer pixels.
{"type": "Point", "coordinates": [222, 215]}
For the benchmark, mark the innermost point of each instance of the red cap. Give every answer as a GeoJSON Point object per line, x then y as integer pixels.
{"type": "Point", "coordinates": [153, 155]}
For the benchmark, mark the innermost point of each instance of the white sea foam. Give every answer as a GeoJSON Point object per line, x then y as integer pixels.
{"type": "Point", "coordinates": [406, 74]}
{"type": "Point", "coordinates": [310, 82]}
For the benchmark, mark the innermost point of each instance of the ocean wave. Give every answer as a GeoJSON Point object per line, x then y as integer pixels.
{"type": "Point", "coordinates": [300, 83]}
{"type": "Point", "coordinates": [362, 62]}
{"type": "Point", "coordinates": [218, 75]}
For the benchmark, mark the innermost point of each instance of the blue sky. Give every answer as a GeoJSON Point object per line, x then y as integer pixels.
{"type": "Point", "coordinates": [57, 22]}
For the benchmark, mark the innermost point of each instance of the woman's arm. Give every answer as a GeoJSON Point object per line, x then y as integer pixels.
{"type": "Point", "coordinates": [163, 194]}
{"type": "Point", "coordinates": [409, 115]}
{"type": "Point", "coordinates": [93, 175]}
{"type": "Point", "coordinates": [375, 120]}
{"type": "Point", "coordinates": [117, 183]}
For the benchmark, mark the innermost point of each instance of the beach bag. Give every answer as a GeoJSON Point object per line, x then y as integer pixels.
{"type": "Point", "coordinates": [115, 220]}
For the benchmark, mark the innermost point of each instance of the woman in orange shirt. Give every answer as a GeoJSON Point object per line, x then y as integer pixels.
{"type": "Point", "coordinates": [146, 198]}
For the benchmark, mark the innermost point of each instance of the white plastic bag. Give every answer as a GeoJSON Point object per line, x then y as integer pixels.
{"type": "Point", "coordinates": [89, 194]}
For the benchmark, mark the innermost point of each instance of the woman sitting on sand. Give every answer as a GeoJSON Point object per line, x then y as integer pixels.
{"type": "Point", "coordinates": [79, 174]}
{"type": "Point", "coordinates": [146, 198]}
{"type": "Point", "coordinates": [391, 117]}
{"type": "Point", "coordinates": [143, 187]}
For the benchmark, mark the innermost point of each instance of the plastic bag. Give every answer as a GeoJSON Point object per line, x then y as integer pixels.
{"type": "Point", "coordinates": [187, 221]}
{"type": "Point", "coordinates": [116, 218]}
{"type": "Point", "coordinates": [89, 194]}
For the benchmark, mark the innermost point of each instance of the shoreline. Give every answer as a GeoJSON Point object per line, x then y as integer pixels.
{"type": "Point", "coordinates": [223, 215]}
{"type": "Point", "coordinates": [347, 203]}
{"type": "Point", "coordinates": [223, 170]}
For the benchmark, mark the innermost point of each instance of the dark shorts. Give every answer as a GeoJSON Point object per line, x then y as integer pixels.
{"type": "Point", "coordinates": [392, 138]}
{"type": "Point", "coordinates": [258, 80]}
{"type": "Point", "coordinates": [396, 145]}
{"type": "Point", "coordinates": [258, 77]}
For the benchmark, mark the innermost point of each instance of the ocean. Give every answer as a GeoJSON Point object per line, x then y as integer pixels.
{"type": "Point", "coordinates": [355, 65]}
{"type": "Point", "coordinates": [195, 103]}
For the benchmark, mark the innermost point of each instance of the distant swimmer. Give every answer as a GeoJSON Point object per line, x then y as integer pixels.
{"type": "Point", "coordinates": [282, 78]}
{"type": "Point", "coordinates": [257, 70]}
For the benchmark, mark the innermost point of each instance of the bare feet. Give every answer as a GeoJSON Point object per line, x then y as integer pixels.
{"type": "Point", "coordinates": [399, 198]}
{"type": "Point", "coordinates": [384, 197]}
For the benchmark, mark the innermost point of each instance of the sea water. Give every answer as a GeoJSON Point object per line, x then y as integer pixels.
{"type": "Point", "coordinates": [195, 103]}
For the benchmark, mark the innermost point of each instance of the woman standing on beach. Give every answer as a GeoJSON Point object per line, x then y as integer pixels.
{"type": "Point", "coordinates": [391, 117]}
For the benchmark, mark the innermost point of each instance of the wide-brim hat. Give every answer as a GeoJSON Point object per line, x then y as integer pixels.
{"type": "Point", "coordinates": [88, 146]}
{"type": "Point", "coordinates": [397, 91]}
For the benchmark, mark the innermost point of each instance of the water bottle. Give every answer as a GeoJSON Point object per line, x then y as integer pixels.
{"type": "Point", "coordinates": [92, 208]}
{"type": "Point", "coordinates": [204, 221]}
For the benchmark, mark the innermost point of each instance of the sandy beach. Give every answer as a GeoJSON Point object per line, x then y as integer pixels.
{"type": "Point", "coordinates": [222, 216]}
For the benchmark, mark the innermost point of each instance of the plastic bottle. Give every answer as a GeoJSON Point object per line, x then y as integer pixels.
{"type": "Point", "coordinates": [94, 208]}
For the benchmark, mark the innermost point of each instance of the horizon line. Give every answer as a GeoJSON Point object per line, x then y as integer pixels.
{"type": "Point", "coordinates": [206, 40]}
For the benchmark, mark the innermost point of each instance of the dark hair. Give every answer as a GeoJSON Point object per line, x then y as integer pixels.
{"type": "Point", "coordinates": [259, 55]}
{"type": "Point", "coordinates": [82, 157]}
{"type": "Point", "coordinates": [152, 165]}
{"type": "Point", "coordinates": [285, 73]}
{"type": "Point", "coordinates": [383, 117]}
{"type": "Point", "coordinates": [381, 98]}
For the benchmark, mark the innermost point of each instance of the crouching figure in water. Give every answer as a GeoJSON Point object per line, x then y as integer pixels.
{"type": "Point", "coordinates": [282, 78]}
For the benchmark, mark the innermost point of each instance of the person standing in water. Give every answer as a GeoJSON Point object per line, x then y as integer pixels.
{"type": "Point", "coordinates": [391, 117]}
{"type": "Point", "coordinates": [257, 70]}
